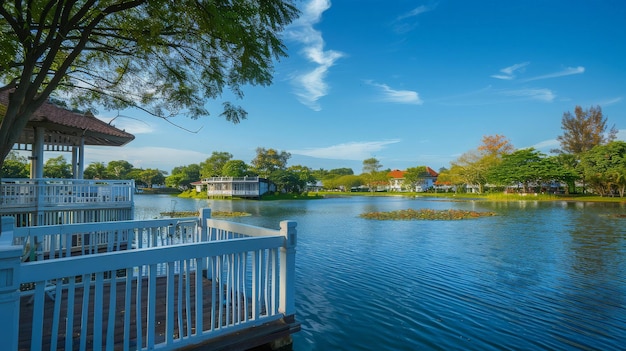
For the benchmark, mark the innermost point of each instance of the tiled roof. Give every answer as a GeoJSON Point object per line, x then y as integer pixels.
{"type": "Point", "coordinates": [398, 174]}
{"type": "Point", "coordinates": [59, 121]}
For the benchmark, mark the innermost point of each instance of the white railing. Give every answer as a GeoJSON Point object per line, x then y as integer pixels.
{"type": "Point", "coordinates": [64, 192]}
{"type": "Point", "coordinates": [142, 284]}
{"type": "Point", "coordinates": [35, 202]}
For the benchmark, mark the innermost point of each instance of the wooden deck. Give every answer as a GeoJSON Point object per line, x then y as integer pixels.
{"type": "Point", "coordinates": [247, 339]}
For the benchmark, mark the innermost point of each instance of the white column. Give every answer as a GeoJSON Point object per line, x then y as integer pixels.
{"type": "Point", "coordinates": [287, 298]}
{"type": "Point", "coordinates": [10, 260]}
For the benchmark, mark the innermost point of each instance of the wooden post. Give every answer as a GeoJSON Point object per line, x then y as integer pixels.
{"type": "Point", "coordinates": [286, 303]}
{"type": "Point", "coordinates": [10, 259]}
{"type": "Point", "coordinates": [204, 214]}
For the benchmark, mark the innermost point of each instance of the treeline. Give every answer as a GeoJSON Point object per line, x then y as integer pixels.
{"type": "Point", "coordinates": [589, 160]}
{"type": "Point", "coordinates": [16, 166]}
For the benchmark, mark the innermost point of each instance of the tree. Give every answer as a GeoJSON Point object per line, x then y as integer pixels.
{"type": "Point", "coordinates": [212, 166]}
{"type": "Point", "coordinates": [119, 169]}
{"type": "Point", "coordinates": [604, 168]}
{"type": "Point", "coordinates": [304, 176]}
{"type": "Point", "coordinates": [57, 167]}
{"type": "Point", "coordinates": [341, 171]}
{"type": "Point", "coordinates": [372, 175]}
{"type": "Point", "coordinates": [235, 168]}
{"type": "Point", "coordinates": [349, 181]}
{"type": "Point", "coordinates": [151, 177]}
{"type": "Point", "coordinates": [525, 166]}
{"type": "Point", "coordinates": [473, 166]}
{"type": "Point", "coordinates": [15, 166]}
{"type": "Point", "coordinates": [371, 165]}
{"type": "Point", "coordinates": [268, 161]}
{"type": "Point", "coordinates": [183, 176]}
{"type": "Point", "coordinates": [584, 130]}
{"type": "Point", "coordinates": [415, 176]}
{"type": "Point", "coordinates": [164, 57]}
{"type": "Point", "coordinates": [95, 170]}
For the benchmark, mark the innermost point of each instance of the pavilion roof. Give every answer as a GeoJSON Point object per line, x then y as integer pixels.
{"type": "Point", "coordinates": [65, 127]}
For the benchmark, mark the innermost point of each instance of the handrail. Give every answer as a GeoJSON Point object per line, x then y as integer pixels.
{"type": "Point", "coordinates": [214, 284]}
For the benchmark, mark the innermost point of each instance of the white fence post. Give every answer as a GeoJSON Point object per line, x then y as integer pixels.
{"type": "Point", "coordinates": [204, 214]}
{"type": "Point", "coordinates": [10, 259]}
{"type": "Point", "coordinates": [288, 269]}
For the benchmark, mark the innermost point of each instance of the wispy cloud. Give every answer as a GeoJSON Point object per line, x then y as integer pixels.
{"type": "Point", "coordinates": [346, 151]}
{"type": "Point", "coordinates": [566, 72]}
{"type": "Point", "coordinates": [398, 96]}
{"type": "Point", "coordinates": [508, 73]}
{"type": "Point", "coordinates": [403, 23]}
{"type": "Point", "coordinates": [611, 101]}
{"type": "Point", "coordinates": [547, 145]}
{"type": "Point", "coordinates": [541, 94]}
{"type": "Point", "coordinates": [414, 12]}
{"type": "Point", "coordinates": [311, 86]}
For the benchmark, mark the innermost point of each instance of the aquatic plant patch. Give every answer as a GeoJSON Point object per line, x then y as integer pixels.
{"type": "Point", "coordinates": [178, 214]}
{"type": "Point", "coordinates": [426, 214]}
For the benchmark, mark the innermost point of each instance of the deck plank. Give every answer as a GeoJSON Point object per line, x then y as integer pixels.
{"type": "Point", "coordinates": [26, 314]}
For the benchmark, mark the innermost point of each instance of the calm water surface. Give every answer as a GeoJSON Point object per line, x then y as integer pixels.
{"type": "Point", "coordinates": [539, 276]}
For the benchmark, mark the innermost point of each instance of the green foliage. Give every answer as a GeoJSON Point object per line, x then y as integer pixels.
{"type": "Point", "coordinates": [96, 170]}
{"type": "Point", "coordinates": [57, 167]}
{"type": "Point", "coordinates": [15, 166]}
{"type": "Point", "coordinates": [414, 176]}
{"type": "Point", "coordinates": [182, 177]}
{"type": "Point", "coordinates": [235, 168]}
{"type": "Point", "coordinates": [214, 165]}
{"type": "Point", "coordinates": [119, 169]}
{"type": "Point", "coordinates": [604, 168]}
{"type": "Point", "coordinates": [165, 57]}
{"type": "Point", "coordinates": [371, 165]}
{"type": "Point", "coordinates": [268, 161]}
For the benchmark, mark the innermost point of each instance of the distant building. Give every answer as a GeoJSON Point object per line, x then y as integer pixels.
{"type": "Point", "coordinates": [396, 180]}
{"type": "Point", "coordinates": [244, 187]}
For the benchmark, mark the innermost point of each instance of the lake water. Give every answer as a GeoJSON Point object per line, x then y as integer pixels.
{"type": "Point", "coordinates": [548, 276]}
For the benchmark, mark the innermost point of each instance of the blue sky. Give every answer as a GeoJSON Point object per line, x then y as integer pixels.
{"type": "Point", "coordinates": [410, 83]}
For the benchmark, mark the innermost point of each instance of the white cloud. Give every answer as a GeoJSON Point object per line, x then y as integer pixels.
{"type": "Point", "coordinates": [415, 12]}
{"type": "Point", "coordinates": [509, 72]}
{"type": "Point", "coordinates": [399, 96]}
{"type": "Point", "coordinates": [566, 72]}
{"type": "Point", "coordinates": [609, 102]}
{"type": "Point", "coordinates": [405, 23]}
{"type": "Point", "coordinates": [346, 151]}
{"type": "Point", "coordinates": [311, 86]}
{"type": "Point", "coordinates": [534, 94]}
{"type": "Point", "coordinates": [547, 145]}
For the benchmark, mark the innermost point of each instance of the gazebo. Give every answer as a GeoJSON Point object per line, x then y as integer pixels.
{"type": "Point", "coordinates": [39, 200]}
{"type": "Point", "coordinates": [53, 128]}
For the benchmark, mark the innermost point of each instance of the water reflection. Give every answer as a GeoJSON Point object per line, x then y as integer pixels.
{"type": "Point", "coordinates": [540, 275]}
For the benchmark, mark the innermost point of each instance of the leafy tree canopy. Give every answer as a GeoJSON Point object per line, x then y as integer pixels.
{"type": "Point", "coordinates": [57, 167]}
{"type": "Point", "coordinates": [165, 57]}
{"type": "Point", "coordinates": [212, 166]}
{"type": "Point", "coordinates": [15, 166]}
{"type": "Point", "coordinates": [268, 161]}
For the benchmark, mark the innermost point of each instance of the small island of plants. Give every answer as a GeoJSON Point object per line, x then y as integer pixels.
{"type": "Point", "coordinates": [426, 214]}
{"type": "Point", "coordinates": [179, 214]}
